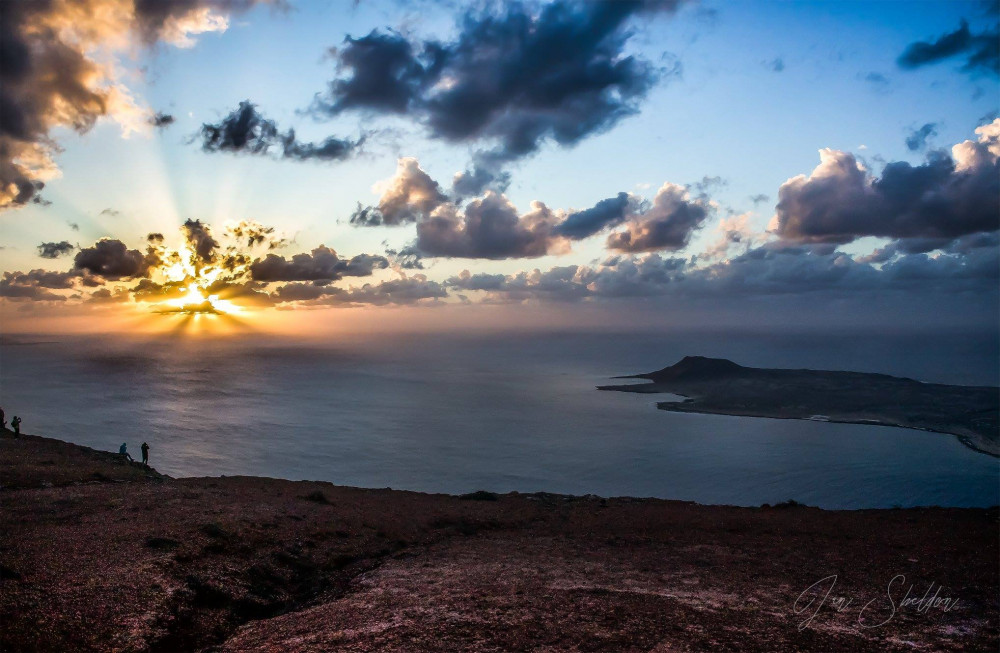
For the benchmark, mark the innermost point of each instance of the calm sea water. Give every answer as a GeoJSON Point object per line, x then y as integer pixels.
{"type": "Point", "coordinates": [453, 414]}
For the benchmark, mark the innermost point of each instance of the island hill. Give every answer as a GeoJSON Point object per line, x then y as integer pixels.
{"type": "Point", "coordinates": [722, 387]}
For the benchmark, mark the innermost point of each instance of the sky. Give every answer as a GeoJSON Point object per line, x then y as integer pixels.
{"type": "Point", "coordinates": [308, 166]}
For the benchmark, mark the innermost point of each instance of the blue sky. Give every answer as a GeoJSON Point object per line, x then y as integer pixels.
{"type": "Point", "coordinates": [751, 91]}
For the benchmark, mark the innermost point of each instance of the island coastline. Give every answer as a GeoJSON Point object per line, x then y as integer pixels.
{"type": "Point", "coordinates": [712, 387]}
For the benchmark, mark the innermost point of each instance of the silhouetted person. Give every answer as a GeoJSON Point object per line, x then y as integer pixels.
{"type": "Point", "coordinates": [123, 451]}
{"type": "Point", "coordinates": [16, 423]}
{"type": "Point", "coordinates": [3, 418]}
{"type": "Point", "coordinates": [145, 454]}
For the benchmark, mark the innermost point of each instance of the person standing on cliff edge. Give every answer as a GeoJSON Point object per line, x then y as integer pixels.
{"type": "Point", "coordinates": [16, 423]}
{"type": "Point", "coordinates": [145, 454]}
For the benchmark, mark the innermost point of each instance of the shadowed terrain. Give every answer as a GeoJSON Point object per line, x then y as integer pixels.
{"type": "Point", "coordinates": [720, 386]}
{"type": "Point", "coordinates": [97, 554]}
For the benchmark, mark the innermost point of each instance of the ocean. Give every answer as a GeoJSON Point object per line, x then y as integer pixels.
{"type": "Point", "coordinates": [501, 412]}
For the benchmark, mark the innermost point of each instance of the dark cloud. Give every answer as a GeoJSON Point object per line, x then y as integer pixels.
{"type": "Point", "coordinates": [244, 130]}
{"type": "Point", "coordinates": [245, 293]}
{"type": "Point", "coordinates": [55, 250]}
{"type": "Point", "coordinates": [486, 173]}
{"type": "Point", "coordinates": [385, 74]}
{"type": "Point", "coordinates": [74, 226]}
{"type": "Point", "coordinates": [161, 120]}
{"type": "Point", "coordinates": [148, 290]}
{"type": "Point", "coordinates": [619, 276]}
{"type": "Point", "coordinates": [16, 286]}
{"type": "Point", "coordinates": [606, 213]}
{"type": "Point", "coordinates": [105, 296]}
{"type": "Point", "coordinates": [774, 269]}
{"type": "Point", "coordinates": [256, 235]}
{"type": "Point", "coordinates": [49, 77]}
{"type": "Point", "coordinates": [331, 149]}
{"type": "Point", "coordinates": [666, 225]}
{"type": "Point", "coordinates": [511, 76]}
{"type": "Point", "coordinates": [978, 51]}
{"type": "Point", "coordinates": [44, 82]}
{"type": "Point", "coordinates": [946, 197]}
{"type": "Point", "coordinates": [917, 140]}
{"type": "Point", "coordinates": [247, 131]}
{"type": "Point", "coordinates": [775, 65]}
{"type": "Point", "coordinates": [407, 258]}
{"type": "Point", "coordinates": [44, 279]}
{"type": "Point", "coordinates": [114, 213]}
{"type": "Point", "coordinates": [401, 291]}
{"type": "Point", "coordinates": [203, 245]}
{"type": "Point", "coordinates": [759, 199]}
{"type": "Point", "coordinates": [323, 264]}
{"type": "Point", "coordinates": [111, 259]}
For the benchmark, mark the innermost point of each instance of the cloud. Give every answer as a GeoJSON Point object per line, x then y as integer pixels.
{"type": "Point", "coordinates": [607, 212]}
{"type": "Point", "coordinates": [775, 65]}
{"type": "Point", "coordinates": [246, 131]}
{"type": "Point", "coordinates": [199, 238]}
{"type": "Point", "coordinates": [111, 259]}
{"type": "Point", "coordinates": [490, 227]}
{"type": "Point", "coordinates": [978, 50]}
{"type": "Point", "coordinates": [402, 291]}
{"type": "Point", "coordinates": [666, 225]}
{"type": "Point", "coordinates": [770, 270]}
{"type": "Point", "coordinates": [616, 277]}
{"type": "Point", "coordinates": [60, 68]}
{"type": "Point", "coordinates": [148, 290]}
{"type": "Point", "coordinates": [322, 264]}
{"type": "Point", "coordinates": [735, 231]}
{"type": "Point", "coordinates": [946, 197]}
{"type": "Point", "coordinates": [253, 233]}
{"type": "Point", "coordinates": [486, 173]}
{"type": "Point", "coordinates": [512, 78]}
{"type": "Point", "coordinates": [407, 258]}
{"type": "Point", "coordinates": [917, 140]}
{"type": "Point", "coordinates": [161, 120]}
{"type": "Point", "coordinates": [877, 80]}
{"type": "Point", "coordinates": [16, 287]}
{"type": "Point", "coordinates": [55, 250]}
{"type": "Point", "coordinates": [330, 149]}
{"type": "Point", "coordinates": [106, 296]}
{"type": "Point", "coordinates": [408, 196]}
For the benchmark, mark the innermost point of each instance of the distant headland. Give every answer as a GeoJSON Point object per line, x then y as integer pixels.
{"type": "Point", "coordinates": [722, 387]}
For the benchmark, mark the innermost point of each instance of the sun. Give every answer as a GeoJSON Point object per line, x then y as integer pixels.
{"type": "Point", "coordinates": [197, 302]}
{"type": "Point", "coordinates": [193, 281]}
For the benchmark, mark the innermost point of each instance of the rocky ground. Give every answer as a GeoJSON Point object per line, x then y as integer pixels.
{"type": "Point", "coordinates": [100, 555]}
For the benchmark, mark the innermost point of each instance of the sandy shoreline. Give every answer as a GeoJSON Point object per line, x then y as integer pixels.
{"type": "Point", "coordinates": [96, 554]}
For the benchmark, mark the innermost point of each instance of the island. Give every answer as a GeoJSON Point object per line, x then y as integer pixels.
{"type": "Point", "coordinates": [722, 387]}
{"type": "Point", "coordinates": [100, 554]}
